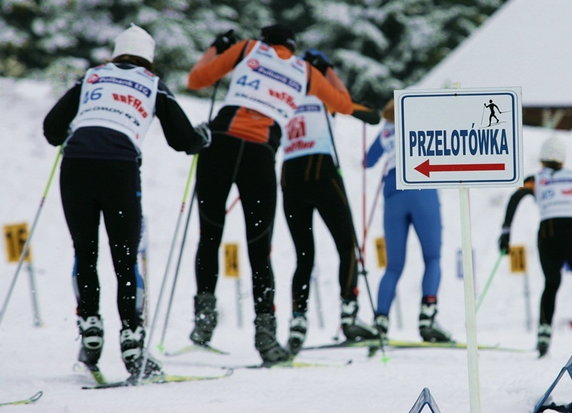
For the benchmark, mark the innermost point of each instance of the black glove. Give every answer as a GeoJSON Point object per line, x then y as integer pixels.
{"type": "Point", "coordinates": [204, 132]}
{"type": "Point", "coordinates": [367, 115]}
{"type": "Point", "coordinates": [318, 59]}
{"type": "Point", "coordinates": [504, 239]}
{"type": "Point", "coordinates": [223, 41]}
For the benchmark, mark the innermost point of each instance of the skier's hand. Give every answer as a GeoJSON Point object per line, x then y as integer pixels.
{"type": "Point", "coordinates": [318, 59]}
{"type": "Point", "coordinates": [504, 240]}
{"type": "Point", "coordinates": [223, 41]}
{"type": "Point", "coordinates": [204, 132]}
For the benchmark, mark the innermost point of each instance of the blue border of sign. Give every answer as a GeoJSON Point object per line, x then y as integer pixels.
{"type": "Point", "coordinates": [516, 131]}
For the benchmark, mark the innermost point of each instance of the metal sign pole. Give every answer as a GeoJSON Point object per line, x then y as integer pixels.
{"type": "Point", "coordinates": [34, 292]}
{"type": "Point", "coordinates": [470, 308]}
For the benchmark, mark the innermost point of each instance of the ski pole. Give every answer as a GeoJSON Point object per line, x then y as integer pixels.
{"type": "Point", "coordinates": [490, 280]}
{"type": "Point", "coordinates": [160, 346]}
{"type": "Point", "coordinates": [372, 212]}
{"type": "Point", "coordinates": [363, 192]}
{"type": "Point", "coordinates": [354, 234]}
{"type": "Point", "coordinates": [373, 206]}
{"type": "Point", "coordinates": [355, 238]}
{"type": "Point", "coordinates": [232, 204]}
{"type": "Point", "coordinates": [27, 244]}
{"type": "Point", "coordinates": [169, 258]}
{"type": "Point", "coordinates": [189, 179]}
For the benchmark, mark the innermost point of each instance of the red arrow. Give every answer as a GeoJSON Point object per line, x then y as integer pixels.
{"type": "Point", "coordinates": [426, 168]}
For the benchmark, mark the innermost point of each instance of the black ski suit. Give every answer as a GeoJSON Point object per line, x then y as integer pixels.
{"type": "Point", "coordinates": [553, 240]}
{"type": "Point", "coordinates": [100, 175]}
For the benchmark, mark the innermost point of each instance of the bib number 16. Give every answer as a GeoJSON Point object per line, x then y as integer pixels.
{"type": "Point", "coordinates": [94, 94]}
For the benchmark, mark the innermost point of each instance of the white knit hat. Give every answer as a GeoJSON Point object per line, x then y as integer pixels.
{"type": "Point", "coordinates": [553, 149]}
{"type": "Point", "coordinates": [136, 42]}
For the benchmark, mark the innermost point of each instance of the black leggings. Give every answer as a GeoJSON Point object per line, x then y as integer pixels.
{"type": "Point", "coordinates": [89, 188]}
{"type": "Point", "coordinates": [554, 248]}
{"type": "Point", "coordinates": [312, 183]}
{"type": "Point", "coordinates": [251, 167]}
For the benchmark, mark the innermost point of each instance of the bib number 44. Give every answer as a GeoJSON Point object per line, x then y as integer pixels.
{"type": "Point", "coordinates": [243, 81]}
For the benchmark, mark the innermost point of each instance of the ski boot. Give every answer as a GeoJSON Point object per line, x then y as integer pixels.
{"type": "Point", "coordinates": [381, 322]}
{"type": "Point", "coordinates": [265, 340]}
{"type": "Point", "coordinates": [132, 348]}
{"type": "Point", "coordinates": [206, 317]}
{"type": "Point", "coordinates": [298, 328]}
{"type": "Point", "coordinates": [429, 329]}
{"type": "Point", "coordinates": [91, 331]}
{"type": "Point", "coordinates": [543, 343]}
{"type": "Point", "coordinates": [354, 329]}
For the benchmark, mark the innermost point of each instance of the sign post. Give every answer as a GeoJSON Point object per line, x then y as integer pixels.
{"type": "Point", "coordinates": [16, 237]}
{"type": "Point", "coordinates": [444, 140]}
{"type": "Point", "coordinates": [517, 254]}
{"type": "Point", "coordinates": [232, 270]}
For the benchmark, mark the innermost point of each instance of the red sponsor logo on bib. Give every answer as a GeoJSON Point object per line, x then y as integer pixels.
{"type": "Point", "coordinates": [253, 63]}
{"type": "Point", "coordinates": [93, 78]}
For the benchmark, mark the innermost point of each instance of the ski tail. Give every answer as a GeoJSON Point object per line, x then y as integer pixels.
{"type": "Point", "coordinates": [29, 400]}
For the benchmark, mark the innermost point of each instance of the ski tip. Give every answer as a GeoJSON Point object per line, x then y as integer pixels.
{"type": "Point", "coordinates": [36, 396]}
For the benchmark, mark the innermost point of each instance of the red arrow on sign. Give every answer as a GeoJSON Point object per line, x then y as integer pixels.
{"type": "Point", "coordinates": [426, 168]}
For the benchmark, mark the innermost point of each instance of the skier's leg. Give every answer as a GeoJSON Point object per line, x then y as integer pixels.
{"type": "Point", "coordinates": [427, 223]}
{"type": "Point", "coordinates": [299, 217]}
{"type": "Point", "coordinates": [121, 204]}
{"type": "Point", "coordinates": [82, 213]}
{"type": "Point", "coordinates": [216, 171]}
{"type": "Point", "coordinates": [396, 227]}
{"type": "Point", "coordinates": [256, 181]}
{"type": "Point", "coordinates": [551, 261]}
{"type": "Point", "coordinates": [82, 217]}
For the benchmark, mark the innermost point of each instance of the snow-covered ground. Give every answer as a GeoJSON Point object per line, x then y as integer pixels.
{"type": "Point", "coordinates": [42, 358]}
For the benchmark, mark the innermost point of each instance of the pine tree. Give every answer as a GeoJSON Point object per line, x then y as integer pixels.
{"type": "Point", "coordinates": [376, 45]}
{"type": "Point", "coordinates": [382, 45]}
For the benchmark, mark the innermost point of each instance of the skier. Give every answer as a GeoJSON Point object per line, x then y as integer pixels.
{"type": "Point", "coordinates": [552, 190]}
{"type": "Point", "coordinates": [108, 112]}
{"type": "Point", "coordinates": [491, 106]}
{"type": "Point", "coordinates": [310, 181]}
{"type": "Point", "coordinates": [267, 85]}
{"type": "Point", "coordinates": [402, 209]}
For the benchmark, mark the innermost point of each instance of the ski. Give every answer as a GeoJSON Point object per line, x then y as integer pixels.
{"type": "Point", "coordinates": [195, 347]}
{"type": "Point", "coordinates": [450, 344]}
{"type": "Point", "coordinates": [291, 364]}
{"type": "Point", "coordinates": [29, 400]}
{"type": "Point", "coordinates": [403, 344]}
{"type": "Point", "coordinates": [161, 379]}
{"type": "Point", "coordinates": [344, 344]}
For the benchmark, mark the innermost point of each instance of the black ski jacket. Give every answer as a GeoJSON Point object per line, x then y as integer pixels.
{"type": "Point", "coordinates": [105, 143]}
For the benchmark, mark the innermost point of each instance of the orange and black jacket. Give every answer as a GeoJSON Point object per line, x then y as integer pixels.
{"type": "Point", "coordinates": [249, 124]}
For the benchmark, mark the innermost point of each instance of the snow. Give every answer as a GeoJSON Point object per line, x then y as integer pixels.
{"type": "Point", "coordinates": [42, 358]}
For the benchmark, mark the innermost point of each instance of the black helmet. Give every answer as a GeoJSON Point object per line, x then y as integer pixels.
{"type": "Point", "coordinates": [278, 34]}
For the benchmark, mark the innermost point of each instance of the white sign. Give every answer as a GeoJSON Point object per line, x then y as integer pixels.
{"type": "Point", "coordinates": [456, 138]}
